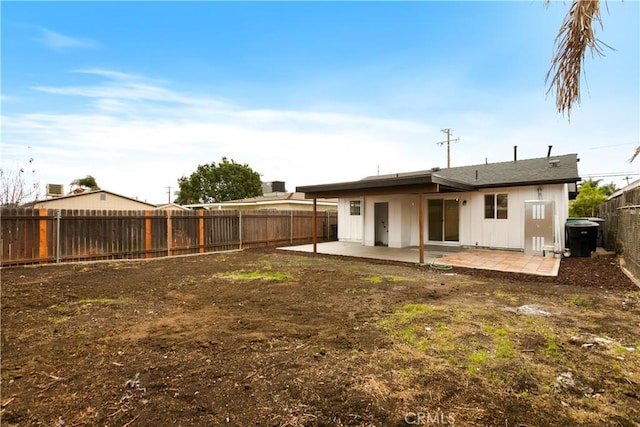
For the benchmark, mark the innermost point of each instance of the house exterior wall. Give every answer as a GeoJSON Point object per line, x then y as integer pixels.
{"type": "Point", "coordinates": [474, 229]}
{"type": "Point", "coordinates": [278, 206]}
{"type": "Point", "coordinates": [99, 201]}
{"type": "Point", "coordinates": [350, 227]}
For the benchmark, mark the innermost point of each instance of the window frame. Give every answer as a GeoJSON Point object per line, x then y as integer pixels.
{"type": "Point", "coordinates": [496, 206]}
{"type": "Point", "coordinates": [355, 207]}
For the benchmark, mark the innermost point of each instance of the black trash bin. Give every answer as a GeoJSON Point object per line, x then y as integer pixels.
{"type": "Point", "coordinates": [583, 236]}
{"type": "Point", "coordinates": [600, 238]}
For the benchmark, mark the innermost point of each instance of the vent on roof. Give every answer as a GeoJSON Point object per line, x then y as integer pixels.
{"type": "Point", "coordinates": [55, 190]}
{"type": "Point", "coordinates": [436, 169]}
{"type": "Point", "coordinates": [273, 187]}
{"type": "Point", "coordinates": [554, 163]}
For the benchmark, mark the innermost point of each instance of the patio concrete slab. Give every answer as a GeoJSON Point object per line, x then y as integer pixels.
{"type": "Point", "coordinates": [486, 259]}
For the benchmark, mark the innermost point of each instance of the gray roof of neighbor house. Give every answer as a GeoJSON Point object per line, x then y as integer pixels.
{"type": "Point", "coordinates": [544, 170]}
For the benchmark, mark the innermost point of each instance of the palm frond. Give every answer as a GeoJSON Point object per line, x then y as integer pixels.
{"type": "Point", "coordinates": [575, 36]}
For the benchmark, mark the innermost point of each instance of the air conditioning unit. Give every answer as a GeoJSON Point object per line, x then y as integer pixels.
{"type": "Point", "coordinates": [55, 190]}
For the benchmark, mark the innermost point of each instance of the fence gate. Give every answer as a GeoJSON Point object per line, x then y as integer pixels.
{"type": "Point", "coordinates": [538, 226]}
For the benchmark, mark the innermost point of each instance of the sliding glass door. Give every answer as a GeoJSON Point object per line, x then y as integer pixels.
{"type": "Point", "coordinates": [443, 222]}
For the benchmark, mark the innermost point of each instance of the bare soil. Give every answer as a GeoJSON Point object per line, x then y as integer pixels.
{"type": "Point", "coordinates": [264, 337]}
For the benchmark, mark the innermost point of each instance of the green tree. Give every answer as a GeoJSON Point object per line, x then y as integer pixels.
{"type": "Point", "coordinates": [88, 182]}
{"type": "Point", "coordinates": [220, 182]}
{"type": "Point", "coordinates": [590, 196]}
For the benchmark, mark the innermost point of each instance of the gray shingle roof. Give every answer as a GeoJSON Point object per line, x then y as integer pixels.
{"type": "Point", "coordinates": [522, 172]}
{"type": "Point", "coordinates": [553, 169]}
{"type": "Point", "coordinates": [543, 170]}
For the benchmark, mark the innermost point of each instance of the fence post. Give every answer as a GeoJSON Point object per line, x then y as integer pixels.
{"type": "Point", "coordinates": [147, 234]}
{"type": "Point", "coordinates": [42, 252]}
{"type": "Point", "coordinates": [240, 226]}
{"type": "Point", "coordinates": [58, 220]}
{"type": "Point", "coordinates": [201, 231]}
{"type": "Point", "coordinates": [169, 233]}
{"type": "Point", "coordinates": [291, 229]}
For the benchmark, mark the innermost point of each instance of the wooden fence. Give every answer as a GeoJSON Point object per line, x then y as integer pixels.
{"type": "Point", "coordinates": [37, 236]}
{"type": "Point", "coordinates": [622, 227]}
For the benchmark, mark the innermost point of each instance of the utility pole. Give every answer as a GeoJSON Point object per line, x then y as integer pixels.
{"type": "Point", "coordinates": [168, 193]}
{"type": "Point", "coordinates": [448, 141]}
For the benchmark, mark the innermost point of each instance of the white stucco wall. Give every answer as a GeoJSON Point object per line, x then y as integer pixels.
{"type": "Point", "coordinates": [474, 229]}
{"type": "Point", "coordinates": [349, 226]}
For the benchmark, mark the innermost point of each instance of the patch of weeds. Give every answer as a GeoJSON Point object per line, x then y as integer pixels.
{"type": "Point", "coordinates": [552, 349]}
{"type": "Point", "coordinates": [265, 264]}
{"type": "Point", "coordinates": [441, 327]}
{"type": "Point", "coordinates": [581, 301]}
{"type": "Point", "coordinates": [62, 314]}
{"type": "Point", "coordinates": [82, 334]}
{"type": "Point", "coordinates": [477, 360]}
{"type": "Point", "coordinates": [410, 312]}
{"type": "Point", "coordinates": [620, 350]}
{"type": "Point", "coordinates": [405, 373]}
{"type": "Point", "coordinates": [356, 291]}
{"type": "Point", "coordinates": [375, 280]}
{"type": "Point", "coordinates": [189, 281]}
{"type": "Point", "coordinates": [504, 348]}
{"type": "Point", "coordinates": [408, 335]}
{"type": "Point", "coordinates": [258, 274]}
{"type": "Point", "coordinates": [496, 332]}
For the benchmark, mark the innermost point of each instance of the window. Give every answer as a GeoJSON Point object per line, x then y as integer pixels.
{"type": "Point", "coordinates": [496, 206]}
{"type": "Point", "coordinates": [354, 207]}
{"type": "Point", "coordinates": [103, 196]}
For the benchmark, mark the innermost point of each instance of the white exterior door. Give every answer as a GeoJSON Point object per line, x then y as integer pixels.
{"type": "Point", "coordinates": [538, 226]}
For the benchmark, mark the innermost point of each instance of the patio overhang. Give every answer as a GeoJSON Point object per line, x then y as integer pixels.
{"type": "Point", "coordinates": [416, 184]}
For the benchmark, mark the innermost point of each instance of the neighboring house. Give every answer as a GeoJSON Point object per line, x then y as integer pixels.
{"type": "Point", "coordinates": [519, 205]}
{"type": "Point", "coordinates": [171, 207]}
{"type": "Point", "coordinates": [620, 193]}
{"type": "Point", "coordinates": [96, 199]}
{"type": "Point", "coordinates": [273, 201]}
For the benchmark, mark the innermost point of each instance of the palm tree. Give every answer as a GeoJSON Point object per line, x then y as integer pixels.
{"type": "Point", "coordinates": [86, 182]}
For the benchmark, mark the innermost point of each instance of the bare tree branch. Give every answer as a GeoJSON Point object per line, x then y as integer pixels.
{"type": "Point", "coordinates": [14, 191]}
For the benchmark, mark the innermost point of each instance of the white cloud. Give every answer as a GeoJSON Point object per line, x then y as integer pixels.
{"type": "Point", "coordinates": [57, 41]}
{"type": "Point", "coordinates": [167, 134]}
{"type": "Point", "coordinates": [137, 136]}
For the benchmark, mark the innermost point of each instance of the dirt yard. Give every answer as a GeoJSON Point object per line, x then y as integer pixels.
{"type": "Point", "coordinates": [279, 339]}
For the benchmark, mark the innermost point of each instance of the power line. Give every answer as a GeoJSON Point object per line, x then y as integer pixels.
{"type": "Point", "coordinates": [610, 174]}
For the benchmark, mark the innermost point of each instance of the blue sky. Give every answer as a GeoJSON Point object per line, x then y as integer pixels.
{"type": "Point", "coordinates": [138, 94]}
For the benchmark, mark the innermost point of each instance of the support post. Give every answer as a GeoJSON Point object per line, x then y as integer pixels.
{"type": "Point", "coordinates": [421, 226]}
{"type": "Point", "coordinates": [315, 224]}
